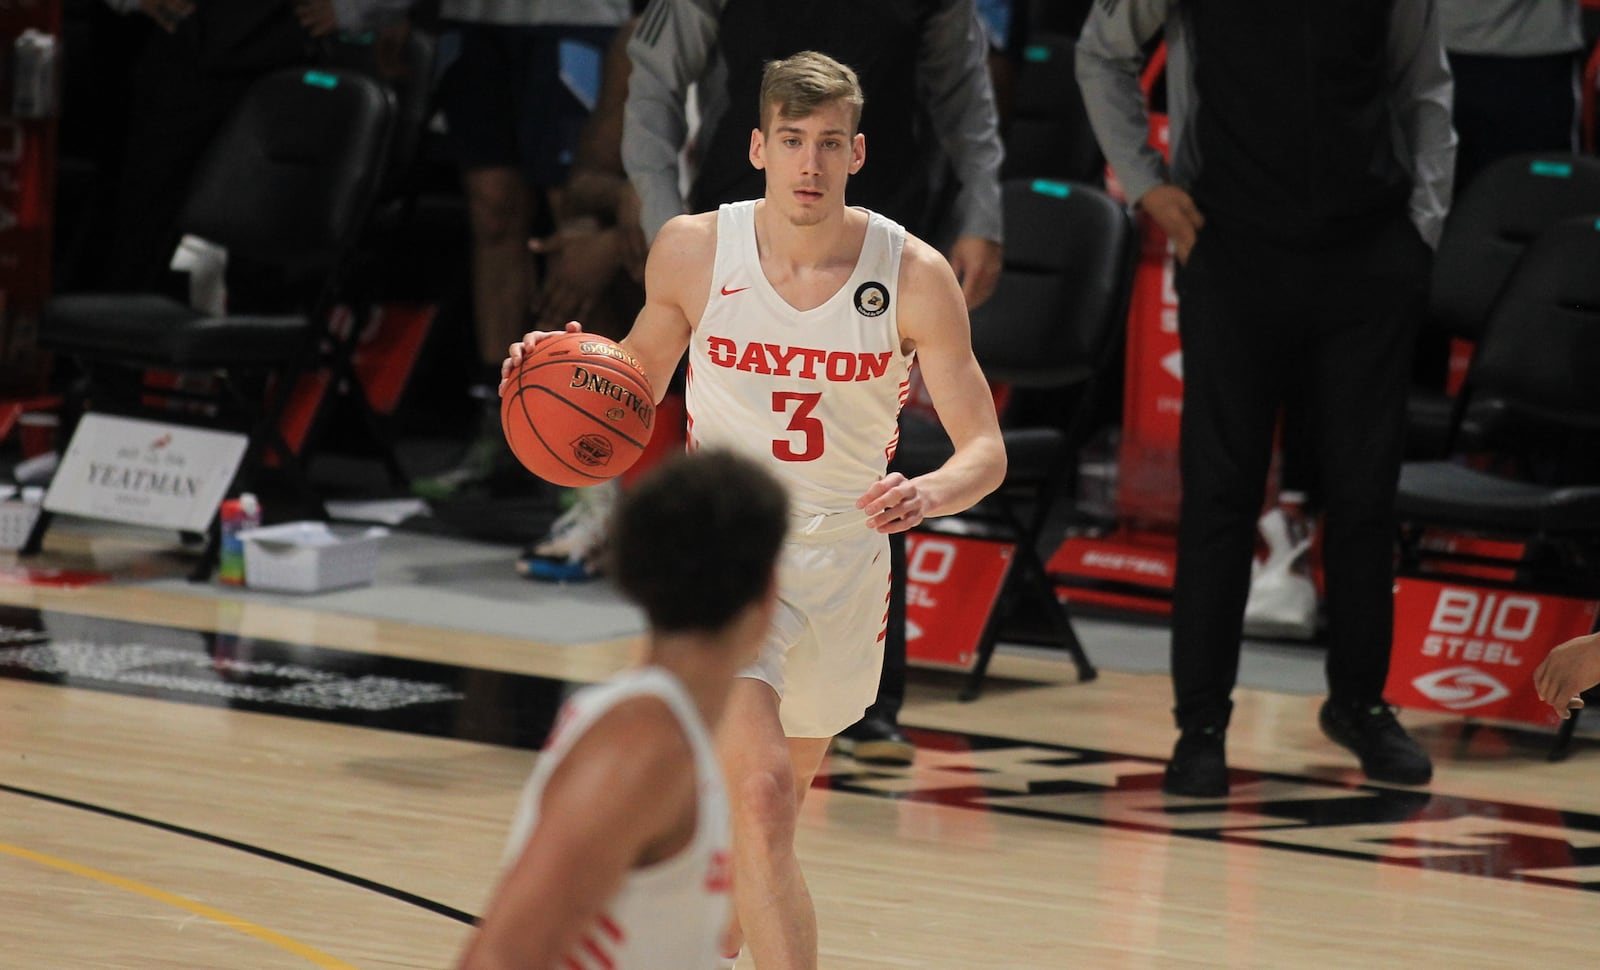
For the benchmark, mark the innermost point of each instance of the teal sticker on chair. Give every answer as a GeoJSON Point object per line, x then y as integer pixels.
{"type": "Point", "coordinates": [1059, 190]}
{"type": "Point", "coordinates": [1037, 53]}
{"type": "Point", "coordinates": [1560, 170]}
{"type": "Point", "coordinates": [320, 80]}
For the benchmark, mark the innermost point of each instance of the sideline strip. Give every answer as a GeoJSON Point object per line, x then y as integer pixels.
{"type": "Point", "coordinates": [308, 953]}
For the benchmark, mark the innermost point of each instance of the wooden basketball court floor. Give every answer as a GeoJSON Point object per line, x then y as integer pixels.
{"type": "Point", "coordinates": [194, 781]}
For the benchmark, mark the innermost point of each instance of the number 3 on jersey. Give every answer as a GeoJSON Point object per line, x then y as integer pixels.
{"type": "Point", "coordinates": [802, 422]}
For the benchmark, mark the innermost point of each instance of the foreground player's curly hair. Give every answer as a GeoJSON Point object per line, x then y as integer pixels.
{"type": "Point", "coordinates": [696, 541]}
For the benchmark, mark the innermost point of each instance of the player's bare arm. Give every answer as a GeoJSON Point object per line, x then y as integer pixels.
{"type": "Point", "coordinates": [933, 320]}
{"type": "Point", "coordinates": [623, 797]}
{"type": "Point", "coordinates": [677, 283]}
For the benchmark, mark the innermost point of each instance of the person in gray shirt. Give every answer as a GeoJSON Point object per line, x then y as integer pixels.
{"type": "Point", "coordinates": [923, 66]}
{"type": "Point", "coordinates": [1311, 170]}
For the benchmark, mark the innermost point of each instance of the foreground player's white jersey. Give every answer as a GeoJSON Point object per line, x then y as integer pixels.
{"type": "Point", "coordinates": [673, 913]}
{"type": "Point", "coordinates": [815, 393]}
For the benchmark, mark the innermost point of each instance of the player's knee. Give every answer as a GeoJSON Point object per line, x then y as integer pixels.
{"type": "Point", "coordinates": [764, 803]}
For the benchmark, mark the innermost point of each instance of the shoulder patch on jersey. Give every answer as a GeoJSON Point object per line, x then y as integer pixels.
{"type": "Point", "coordinates": [872, 299]}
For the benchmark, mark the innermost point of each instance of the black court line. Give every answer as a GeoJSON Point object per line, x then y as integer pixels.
{"type": "Point", "coordinates": [1079, 786]}
{"type": "Point", "coordinates": [359, 882]}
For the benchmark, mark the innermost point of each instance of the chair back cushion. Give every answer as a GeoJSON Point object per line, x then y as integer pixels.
{"type": "Point", "coordinates": [1493, 221]}
{"type": "Point", "coordinates": [1541, 347]}
{"type": "Point", "coordinates": [413, 99]}
{"type": "Point", "coordinates": [1048, 133]}
{"type": "Point", "coordinates": [1062, 299]}
{"type": "Point", "coordinates": [293, 173]}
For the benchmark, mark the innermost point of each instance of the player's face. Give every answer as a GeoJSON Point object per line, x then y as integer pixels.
{"type": "Point", "coordinates": [807, 161]}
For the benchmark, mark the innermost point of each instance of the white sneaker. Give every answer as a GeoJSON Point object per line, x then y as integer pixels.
{"type": "Point", "coordinates": [1283, 599]}
{"type": "Point", "coordinates": [571, 550]}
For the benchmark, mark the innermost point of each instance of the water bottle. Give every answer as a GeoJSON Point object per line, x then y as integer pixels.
{"type": "Point", "coordinates": [238, 515]}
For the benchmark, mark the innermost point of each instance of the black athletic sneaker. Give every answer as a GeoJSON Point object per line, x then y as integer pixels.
{"type": "Point", "coordinates": [875, 740]}
{"type": "Point", "coordinates": [1199, 766]}
{"type": "Point", "coordinates": [1386, 751]}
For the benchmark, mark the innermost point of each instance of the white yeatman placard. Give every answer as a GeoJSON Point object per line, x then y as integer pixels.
{"type": "Point", "coordinates": [145, 473]}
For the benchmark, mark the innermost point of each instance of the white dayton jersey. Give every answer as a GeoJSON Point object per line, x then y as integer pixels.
{"type": "Point", "coordinates": [815, 394]}
{"type": "Point", "coordinates": [673, 913]}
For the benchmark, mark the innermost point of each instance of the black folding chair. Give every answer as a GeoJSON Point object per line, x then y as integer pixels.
{"type": "Point", "coordinates": [285, 187]}
{"type": "Point", "coordinates": [1506, 206]}
{"type": "Point", "coordinates": [367, 280]}
{"type": "Point", "coordinates": [1049, 332]}
{"type": "Point", "coordinates": [1048, 133]}
{"type": "Point", "coordinates": [1539, 353]}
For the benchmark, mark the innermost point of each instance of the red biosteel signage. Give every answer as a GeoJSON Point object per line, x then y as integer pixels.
{"type": "Point", "coordinates": [952, 583]}
{"type": "Point", "coordinates": [1472, 650]}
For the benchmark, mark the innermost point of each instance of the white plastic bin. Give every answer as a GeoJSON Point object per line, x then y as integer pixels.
{"type": "Point", "coordinates": [18, 514]}
{"type": "Point", "coordinates": [309, 557]}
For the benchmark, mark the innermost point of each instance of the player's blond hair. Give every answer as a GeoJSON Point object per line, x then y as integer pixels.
{"type": "Point", "coordinates": [798, 85]}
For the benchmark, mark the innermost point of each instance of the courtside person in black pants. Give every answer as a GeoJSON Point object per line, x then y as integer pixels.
{"type": "Point", "coordinates": [1311, 163]}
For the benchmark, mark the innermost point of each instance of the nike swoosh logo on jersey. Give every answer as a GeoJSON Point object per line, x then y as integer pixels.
{"type": "Point", "coordinates": [728, 292]}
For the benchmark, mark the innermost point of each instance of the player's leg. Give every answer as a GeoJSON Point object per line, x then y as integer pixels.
{"type": "Point", "coordinates": [766, 776]}
{"type": "Point", "coordinates": [877, 737]}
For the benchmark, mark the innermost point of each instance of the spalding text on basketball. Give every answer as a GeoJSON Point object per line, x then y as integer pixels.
{"type": "Point", "coordinates": [808, 363]}
{"type": "Point", "coordinates": [605, 387]}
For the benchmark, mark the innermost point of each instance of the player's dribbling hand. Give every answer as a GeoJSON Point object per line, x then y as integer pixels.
{"type": "Point", "coordinates": [893, 504]}
{"type": "Point", "coordinates": [526, 344]}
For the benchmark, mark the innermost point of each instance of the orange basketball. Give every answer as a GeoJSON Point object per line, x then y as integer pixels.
{"type": "Point", "coordinates": [578, 411]}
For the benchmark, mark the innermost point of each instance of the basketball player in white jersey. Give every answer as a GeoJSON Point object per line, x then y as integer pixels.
{"type": "Point", "coordinates": [621, 849]}
{"type": "Point", "coordinates": [801, 317]}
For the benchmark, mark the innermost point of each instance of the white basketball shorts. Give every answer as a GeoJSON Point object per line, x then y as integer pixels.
{"type": "Point", "coordinates": [824, 653]}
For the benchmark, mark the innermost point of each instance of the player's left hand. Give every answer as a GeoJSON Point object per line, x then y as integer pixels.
{"type": "Point", "coordinates": [977, 264]}
{"type": "Point", "coordinates": [893, 504]}
{"type": "Point", "coordinates": [1568, 671]}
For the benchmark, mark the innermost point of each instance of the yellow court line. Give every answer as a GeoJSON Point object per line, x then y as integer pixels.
{"type": "Point", "coordinates": [308, 953]}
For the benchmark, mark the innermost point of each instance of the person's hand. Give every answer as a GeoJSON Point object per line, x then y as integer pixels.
{"type": "Point", "coordinates": [166, 13]}
{"type": "Point", "coordinates": [525, 346]}
{"type": "Point", "coordinates": [893, 504]}
{"type": "Point", "coordinates": [582, 259]}
{"type": "Point", "coordinates": [1174, 211]}
{"type": "Point", "coordinates": [977, 264]}
{"type": "Point", "coordinates": [389, 51]}
{"type": "Point", "coordinates": [1568, 671]}
{"type": "Point", "coordinates": [317, 17]}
